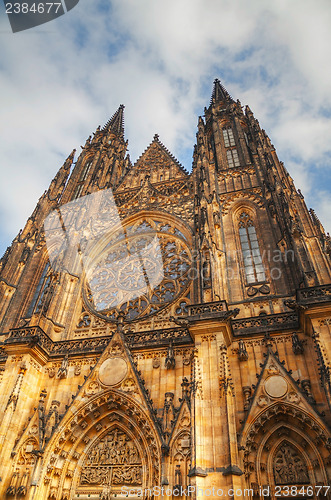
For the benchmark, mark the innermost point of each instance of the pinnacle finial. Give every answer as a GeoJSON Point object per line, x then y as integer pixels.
{"type": "Point", "coordinates": [67, 164]}
{"type": "Point", "coordinates": [219, 92]}
{"type": "Point", "coordinates": [116, 123]}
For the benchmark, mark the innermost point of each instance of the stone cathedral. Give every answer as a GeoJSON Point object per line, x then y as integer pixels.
{"type": "Point", "coordinates": [167, 334]}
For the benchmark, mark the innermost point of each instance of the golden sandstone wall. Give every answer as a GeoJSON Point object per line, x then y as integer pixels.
{"type": "Point", "coordinates": [214, 379]}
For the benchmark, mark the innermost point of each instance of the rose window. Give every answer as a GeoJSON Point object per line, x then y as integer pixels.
{"type": "Point", "coordinates": [139, 270]}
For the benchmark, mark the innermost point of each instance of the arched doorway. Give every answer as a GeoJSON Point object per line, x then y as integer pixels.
{"type": "Point", "coordinates": [285, 450]}
{"type": "Point", "coordinates": [109, 446]}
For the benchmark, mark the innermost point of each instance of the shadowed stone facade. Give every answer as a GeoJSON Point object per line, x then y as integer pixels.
{"type": "Point", "coordinates": [208, 366]}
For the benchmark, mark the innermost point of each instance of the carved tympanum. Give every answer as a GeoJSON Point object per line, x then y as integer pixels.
{"type": "Point", "coordinates": [289, 466]}
{"type": "Point", "coordinates": [114, 460]}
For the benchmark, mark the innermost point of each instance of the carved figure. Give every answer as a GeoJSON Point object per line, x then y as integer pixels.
{"type": "Point", "coordinates": [63, 370]}
{"type": "Point", "coordinates": [170, 361]}
{"type": "Point", "coordinates": [297, 344]}
{"type": "Point", "coordinates": [289, 466]}
{"type": "Point", "coordinates": [242, 352]}
{"type": "Point", "coordinates": [114, 459]}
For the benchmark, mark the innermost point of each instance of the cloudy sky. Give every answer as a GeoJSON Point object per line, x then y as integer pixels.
{"type": "Point", "coordinates": [61, 80]}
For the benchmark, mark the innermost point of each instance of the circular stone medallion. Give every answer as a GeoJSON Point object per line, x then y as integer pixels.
{"type": "Point", "coordinates": [276, 386]}
{"type": "Point", "coordinates": [112, 371]}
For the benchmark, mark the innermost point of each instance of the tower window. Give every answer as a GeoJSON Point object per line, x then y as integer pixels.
{"type": "Point", "coordinates": [78, 191]}
{"type": "Point", "coordinates": [233, 158]}
{"type": "Point", "coordinates": [228, 137]}
{"type": "Point", "coordinates": [254, 270]}
{"type": "Point", "coordinates": [40, 291]}
{"type": "Point", "coordinates": [85, 171]}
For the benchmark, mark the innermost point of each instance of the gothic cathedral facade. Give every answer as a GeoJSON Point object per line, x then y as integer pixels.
{"type": "Point", "coordinates": [166, 333]}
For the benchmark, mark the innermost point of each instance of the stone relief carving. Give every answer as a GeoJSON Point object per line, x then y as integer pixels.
{"type": "Point", "coordinates": [182, 446]}
{"type": "Point", "coordinates": [129, 385]}
{"type": "Point", "coordinates": [113, 460]}
{"type": "Point", "coordinates": [26, 456]}
{"type": "Point", "coordinates": [289, 467]}
{"type": "Point", "coordinates": [92, 388]}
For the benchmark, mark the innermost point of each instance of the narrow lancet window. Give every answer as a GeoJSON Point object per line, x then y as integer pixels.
{"type": "Point", "coordinates": [85, 171]}
{"type": "Point", "coordinates": [228, 137]}
{"type": "Point", "coordinates": [233, 158]}
{"type": "Point", "coordinates": [40, 290]}
{"type": "Point", "coordinates": [78, 191]}
{"type": "Point", "coordinates": [253, 266]}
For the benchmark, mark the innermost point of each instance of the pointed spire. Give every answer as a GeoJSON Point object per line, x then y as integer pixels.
{"type": "Point", "coordinates": [116, 122]}
{"type": "Point", "coordinates": [58, 183]}
{"type": "Point", "coordinates": [67, 164]}
{"type": "Point", "coordinates": [219, 93]}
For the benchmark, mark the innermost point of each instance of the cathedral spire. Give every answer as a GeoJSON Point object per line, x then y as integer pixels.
{"type": "Point", "coordinates": [219, 93]}
{"type": "Point", "coordinates": [116, 123]}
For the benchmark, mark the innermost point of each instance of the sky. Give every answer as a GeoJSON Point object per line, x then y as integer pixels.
{"type": "Point", "coordinates": [61, 80]}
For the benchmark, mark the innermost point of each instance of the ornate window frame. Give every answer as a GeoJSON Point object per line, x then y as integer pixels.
{"type": "Point", "coordinates": [253, 267]}
{"type": "Point", "coordinates": [39, 290]}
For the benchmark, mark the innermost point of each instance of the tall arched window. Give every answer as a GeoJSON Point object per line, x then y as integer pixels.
{"type": "Point", "coordinates": [230, 144]}
{"type": "Point", "coordinates": [85, 171]}
{"type": "Point", "coordinates": [233, 158]}
{"type": "Point", "coordinates": [254, 270]}
{"type": "Point", "coordinates": [40, 291]}
{"type": "Point", "coordinates": [228, 137]}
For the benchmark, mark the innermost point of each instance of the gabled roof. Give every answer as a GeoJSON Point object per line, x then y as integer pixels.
{"type": "Point", "coordinates": [156, 155]}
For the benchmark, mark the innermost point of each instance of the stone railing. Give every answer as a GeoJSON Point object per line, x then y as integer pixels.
{"type": "Point", "coordinates": [312, 295]}
{"type": "Point", "coordinates": [268, 323]}
{"type": "Point", "coordinates": [30, 334]}
{"type": "Point", "coordinates": [158, 338]}
{"type": "Point", "coordinates": [34, 335]}
{"type": "Point", "coordinates": [207, 309]}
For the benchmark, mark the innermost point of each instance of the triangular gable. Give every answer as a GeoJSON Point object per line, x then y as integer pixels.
{"type": "Point", "coordinates": [276, 385]}
{"type": "Point", "coordinates": [182, 422]}
{"type": "Point", "coordinates": [156, 162]}
{"type": "Point", "coordinates": [115, 370]}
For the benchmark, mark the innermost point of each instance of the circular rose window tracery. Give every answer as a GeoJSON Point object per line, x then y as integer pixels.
{"type": "Point", "coordinates": [141, 269]}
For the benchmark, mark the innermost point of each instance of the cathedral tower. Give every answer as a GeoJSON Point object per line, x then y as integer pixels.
{"type": "Point", "coordinates": [166, 329]}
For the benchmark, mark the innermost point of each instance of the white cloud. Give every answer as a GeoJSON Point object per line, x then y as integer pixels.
{"type": "Point", "coordinates": [59, 81]}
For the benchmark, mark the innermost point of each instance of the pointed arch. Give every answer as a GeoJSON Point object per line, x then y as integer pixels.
{"type": "Point", "coordinates": [22, 467]}
{"type": "Point", "coordinates": [289, 466]}
{"type": "Point", "coordinates": [37, 287]}
{"type": "Point", "coordinates": [66, 466]}
{"type": "Point", "coordinates": [250, 249]}
{"type": "Point", "coordinates": [180, 447]}
{"type": "Point", "coordinates": [306, 437]}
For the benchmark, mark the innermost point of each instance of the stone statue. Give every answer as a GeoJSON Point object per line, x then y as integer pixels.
{"type": "Point", "coordinates": [63, 370]}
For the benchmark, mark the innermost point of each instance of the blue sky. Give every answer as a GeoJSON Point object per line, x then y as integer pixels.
{"type": "Point", "coordinates": [61, 80]}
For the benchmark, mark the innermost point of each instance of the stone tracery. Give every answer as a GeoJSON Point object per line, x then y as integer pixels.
{"type": "Point", "coordinates": [141, 270]}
